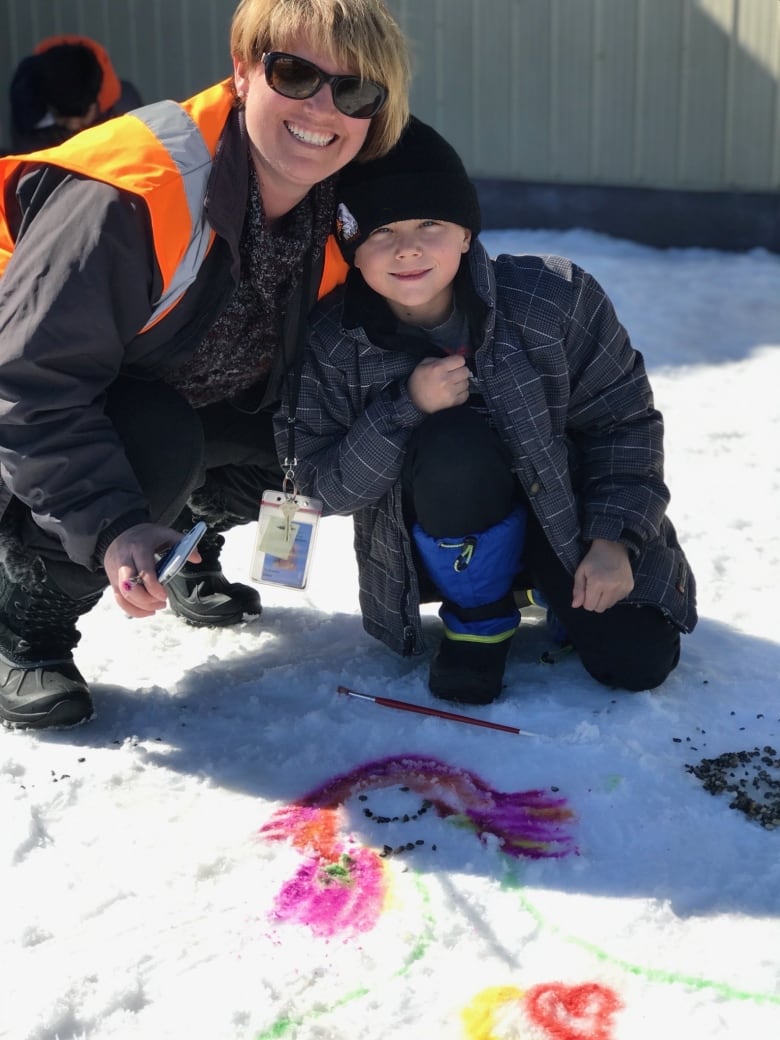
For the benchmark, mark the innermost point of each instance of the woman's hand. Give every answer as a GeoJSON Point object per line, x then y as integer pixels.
{"type": "Point", "coordinates": [439, 383]}
{"type": "Point", "coordinates": [603, 578]}
{"type": "Point", "coordinates": [129, 563]}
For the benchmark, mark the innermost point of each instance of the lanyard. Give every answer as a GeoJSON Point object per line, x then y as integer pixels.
{"type": "Point", "coordinates": [293, 374]}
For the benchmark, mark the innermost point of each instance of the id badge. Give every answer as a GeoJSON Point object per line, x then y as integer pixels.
{"type": "Point", "coordinates": [286, 530]}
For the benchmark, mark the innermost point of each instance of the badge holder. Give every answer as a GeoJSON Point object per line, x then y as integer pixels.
{"type": "Point", "coordinates": [287, 524]}
{"type": "Point", "coordinates": [284, 546]}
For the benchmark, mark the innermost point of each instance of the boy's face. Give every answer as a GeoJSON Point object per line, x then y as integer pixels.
{"type": "Point", "coordinates": [412, 263]}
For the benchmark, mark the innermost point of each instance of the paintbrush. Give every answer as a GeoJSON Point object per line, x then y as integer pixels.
{"type": "Point", "coordinates": [389, 702]}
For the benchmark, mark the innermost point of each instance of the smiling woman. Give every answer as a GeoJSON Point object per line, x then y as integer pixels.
{"type": "Point", "coordinates": [359, 37]}
{"type": "Point", "coordinates": [297, 137]}
{"type": "Point", "coordinates": [219, 212]}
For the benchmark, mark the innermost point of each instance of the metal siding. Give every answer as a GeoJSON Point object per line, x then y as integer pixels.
{"type": "Point", "coordinates": [494, 100]}
{"type": "Point", "coordinates": [455, 63]}
{"type": "Point", "coordinates": [419, 22]}
{"type": "Point", "coordinates": [532, 91]}
{"type": "Point", "coordinates": [572, 70]}
{"type": "Point", "coordinates": [614, 91]}
{"type": "Point", "coordinates": [537, 89]}
{"type": "Point", "coordinates": [659, 85]}
{"type": "Point", "coordinates": [500, 122]}
{"type": "Point", "coordinates": [650, 93]}
{"type": "Point", "coordinates": [125, 39]}
{"type": "Point", "coordinates": [185, 46]}
{"type": "Point", "coordinates": [754, 117]}
{"type": "Point", "coordinates": [706, 64]}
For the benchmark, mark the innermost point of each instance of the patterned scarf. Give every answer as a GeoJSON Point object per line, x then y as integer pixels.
{"type": "Point", "coordinates": [239, 349]}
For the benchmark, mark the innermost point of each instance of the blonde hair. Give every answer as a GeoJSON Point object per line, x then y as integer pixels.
{"type": "Point", "coordinates": [356, 34]}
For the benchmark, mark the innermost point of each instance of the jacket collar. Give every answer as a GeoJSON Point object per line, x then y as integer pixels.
{"type": "Point", "coordinates": [227, 193]}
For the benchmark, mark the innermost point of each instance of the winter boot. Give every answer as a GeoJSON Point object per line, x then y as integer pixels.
{"type": "Point", "coordinates": [201, 594]}
{"type": "Point", "coordinates": [474, 576]}
{"type": "Point", "coordinates": [40, 686]}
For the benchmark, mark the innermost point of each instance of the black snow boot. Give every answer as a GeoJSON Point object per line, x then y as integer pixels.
{"type": "Point", "coordinates": [468, 672]}
{"type": "Point", "coordinates": [201, 594]}
{"type": "Point", "coordinates": [40, 686]}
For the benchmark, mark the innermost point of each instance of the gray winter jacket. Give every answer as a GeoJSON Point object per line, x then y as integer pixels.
{"type": "Point", "coordinates": [566, 391]}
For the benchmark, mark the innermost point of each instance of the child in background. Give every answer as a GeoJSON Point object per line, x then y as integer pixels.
{"type": "Point", "coordinates": [491, 428]}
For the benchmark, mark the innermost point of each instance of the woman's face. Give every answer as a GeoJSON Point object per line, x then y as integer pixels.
{"type": "Point", "coordinates": [295, 144]}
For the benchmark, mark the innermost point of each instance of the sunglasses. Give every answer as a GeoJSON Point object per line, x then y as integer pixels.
{"type": "Point", "coordinates": [300, 79]}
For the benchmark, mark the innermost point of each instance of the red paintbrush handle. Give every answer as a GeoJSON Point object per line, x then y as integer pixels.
{"type": "Point", "coordinates": [388, 702]}
{"type": "Point", "coordinates": [405, 706]}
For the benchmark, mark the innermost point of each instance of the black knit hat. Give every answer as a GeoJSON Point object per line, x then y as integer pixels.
{"type": "Point", "coordinates": [422, 177]}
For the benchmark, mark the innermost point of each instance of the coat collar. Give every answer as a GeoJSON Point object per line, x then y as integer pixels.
{"type": "Point", "coordinates": [227, 193]}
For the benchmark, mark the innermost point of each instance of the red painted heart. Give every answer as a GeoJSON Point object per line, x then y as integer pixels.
{"type": "Point", "coordinates": [573, 1012]}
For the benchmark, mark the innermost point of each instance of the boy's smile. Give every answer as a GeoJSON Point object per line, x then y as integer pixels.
{"type": "Point", "coordinates": [408, 276]}
{"type": "Point", "coordinates": [412, 264]}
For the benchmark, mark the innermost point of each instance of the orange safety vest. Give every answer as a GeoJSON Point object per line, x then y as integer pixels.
{"type": "Point", "coordinates": [165, 156]}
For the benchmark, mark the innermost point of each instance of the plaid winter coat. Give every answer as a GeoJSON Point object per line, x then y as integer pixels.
{"type": "Point", "coordinates": [565, 390]}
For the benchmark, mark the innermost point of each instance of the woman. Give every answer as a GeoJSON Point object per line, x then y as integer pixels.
{"type": "Point", "coordinates": [157, 271]}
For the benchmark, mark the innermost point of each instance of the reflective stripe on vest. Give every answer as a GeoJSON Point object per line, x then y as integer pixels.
{"type": "Point", "coordinates": [187, 151]}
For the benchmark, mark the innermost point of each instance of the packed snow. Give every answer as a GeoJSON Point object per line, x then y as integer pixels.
{"type": "Point", "coordinates": [233, 850]}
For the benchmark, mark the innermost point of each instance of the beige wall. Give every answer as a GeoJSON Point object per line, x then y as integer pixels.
{"type": "Point", "coordinates": [678, 94]}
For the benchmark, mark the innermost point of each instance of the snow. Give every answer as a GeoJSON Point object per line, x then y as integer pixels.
{"type": "Point", "coordinates": [162, 877]}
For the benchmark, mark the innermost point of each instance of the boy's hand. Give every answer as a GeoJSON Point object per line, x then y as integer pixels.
{"type": "Point", "coordinates": [603, 578]}
{"type": "Point", "coordinates": [439, 383]}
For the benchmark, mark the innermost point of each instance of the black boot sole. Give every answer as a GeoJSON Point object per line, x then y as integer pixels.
{"type": "Point", "coordinates": [202, 619]}
{"type": "Point", "coordinates": [63, 714]}
{"type": "Point", "coordinates": [207, 621]}
{"type": "Point", "coordinates": [464, 690]}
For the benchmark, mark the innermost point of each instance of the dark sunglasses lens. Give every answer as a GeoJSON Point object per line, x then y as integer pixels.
{"type": "Point", "coordinates": [359, 98]}
{"type": "Point", "coordinates": [293, 77]}
{"type": "Point", "coordinates": [299, 79]}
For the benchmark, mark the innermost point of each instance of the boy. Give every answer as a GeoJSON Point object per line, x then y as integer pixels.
{"type": "Point", "coordinates": [491, 428]}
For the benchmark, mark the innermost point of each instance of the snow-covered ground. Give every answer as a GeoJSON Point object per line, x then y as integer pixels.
{"type": "Point", "coordinates": [208, 858]}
